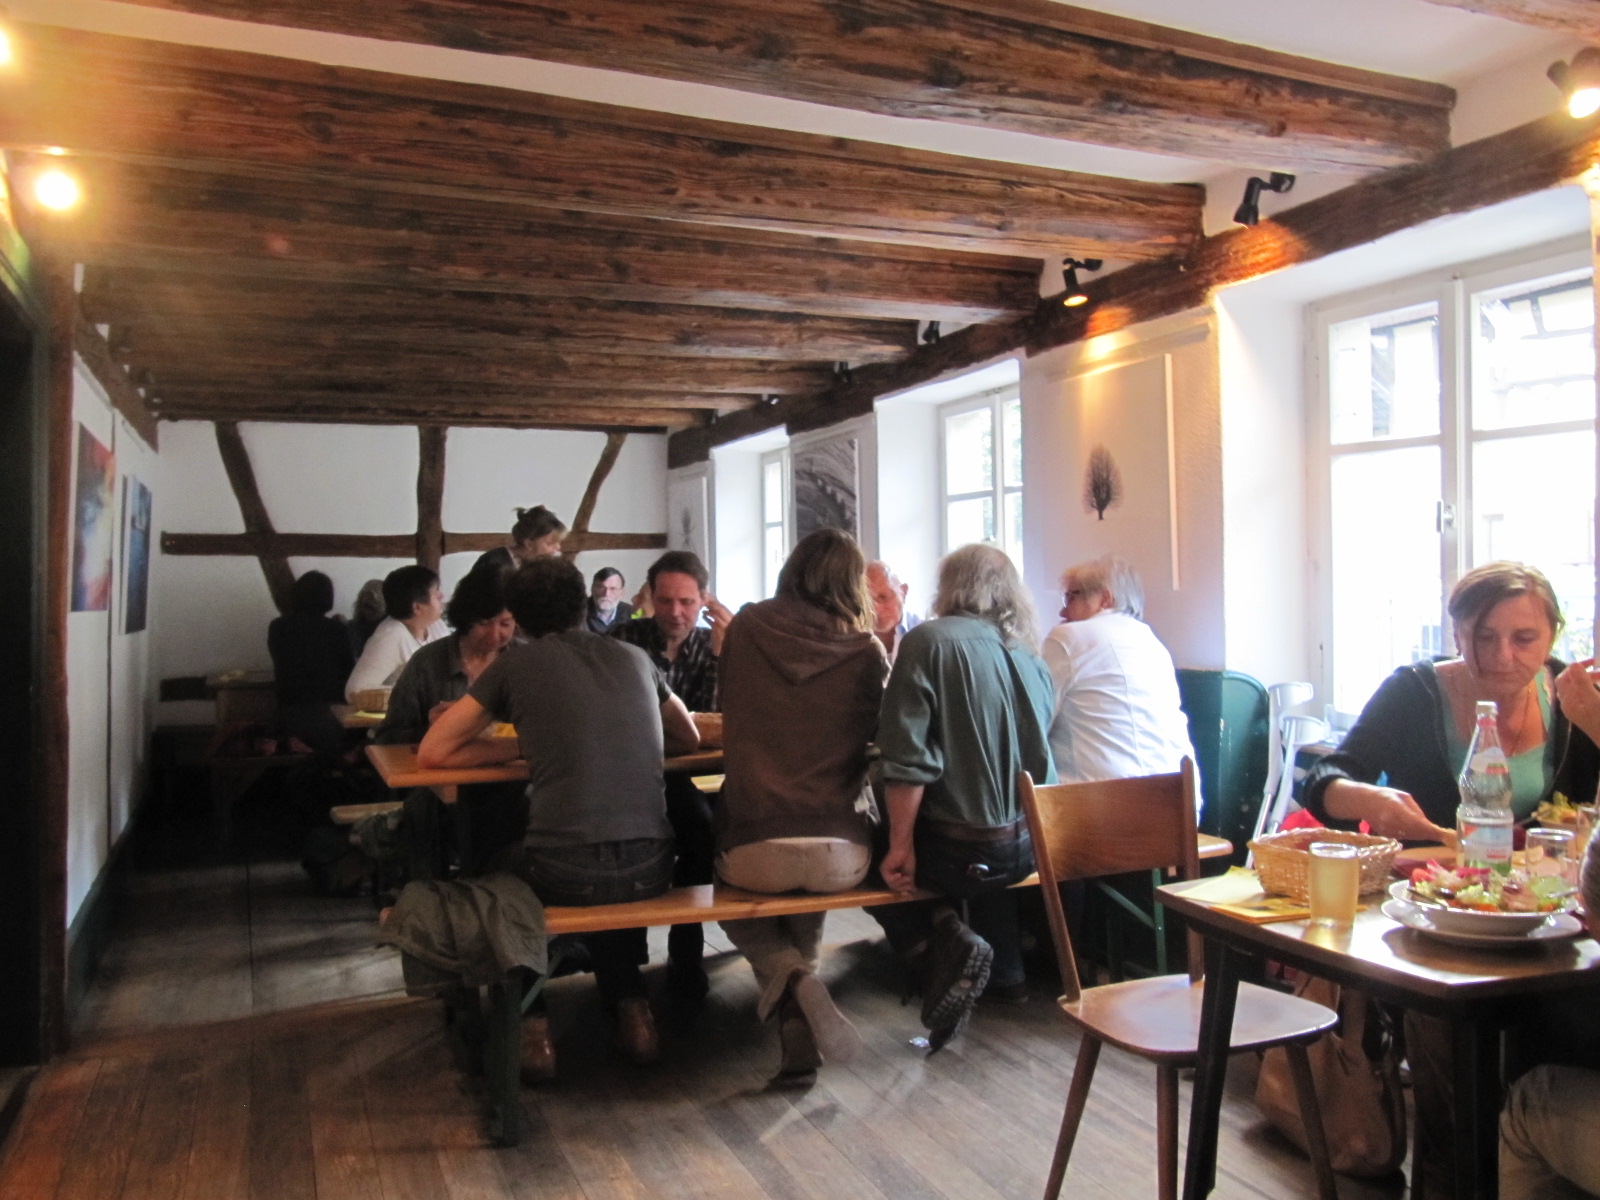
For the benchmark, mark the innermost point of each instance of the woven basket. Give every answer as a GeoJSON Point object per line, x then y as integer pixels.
{"type": "Point", "coordinates": [1282, 859]}
{"type": "Point", "coordinates": [373, 700]}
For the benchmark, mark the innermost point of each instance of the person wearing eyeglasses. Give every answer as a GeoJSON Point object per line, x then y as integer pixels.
{"type": "Point", "coordinates": [1117, 713]}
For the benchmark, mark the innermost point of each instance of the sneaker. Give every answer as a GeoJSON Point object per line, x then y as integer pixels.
{"type": "Point", "coordinates": [538, 1053]}
{"type": "Point", "coordinates": [958, 969]}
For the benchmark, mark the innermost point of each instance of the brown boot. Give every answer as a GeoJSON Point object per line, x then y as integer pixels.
{"type": "Point", "coordinates": [636, 1031]}
{"type": "Point", "coordinates": [800, 1055]}
{"type": "Point", "coordinates": [538, 1057]}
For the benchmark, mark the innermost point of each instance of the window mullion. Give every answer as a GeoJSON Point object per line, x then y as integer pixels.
{"type": "Point", "coordinates": [1455, 385]}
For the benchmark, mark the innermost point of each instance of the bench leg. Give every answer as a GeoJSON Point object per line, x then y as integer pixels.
{"type": "Point", "coordinates": [501, 1059]}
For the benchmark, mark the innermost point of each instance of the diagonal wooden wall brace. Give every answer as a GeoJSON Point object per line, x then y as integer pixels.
{"type": "Point", "coordinates": [257, 525]}
{"type": "Point", "coordinates": [578, 536]}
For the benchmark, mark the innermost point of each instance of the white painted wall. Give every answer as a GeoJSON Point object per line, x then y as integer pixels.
{"type": "Point", "coordinates": [110, 703]}
{"type": "Point", "coordinates": [1055, 388]}
{"type": "Point", "coordinates": [362, 479]}
{"type": "Point", "coordinates": [735, 483]}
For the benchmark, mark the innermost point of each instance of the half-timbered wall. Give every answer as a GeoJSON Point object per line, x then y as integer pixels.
{"type": "Point", "coordinates": [362, 479]}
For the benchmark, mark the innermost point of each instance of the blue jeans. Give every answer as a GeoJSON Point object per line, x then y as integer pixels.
{"type": "Point", "coordinates": [978, 872]}
{"type": "Point", "coordinates": [603, 873]}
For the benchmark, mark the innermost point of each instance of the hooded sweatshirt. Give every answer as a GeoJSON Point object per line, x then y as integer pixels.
{"type": "Point", "coordinates": [799, 706]}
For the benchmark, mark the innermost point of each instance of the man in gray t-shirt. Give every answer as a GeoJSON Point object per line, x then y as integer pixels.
{"type": "Point", "coordinates": [593, 717]}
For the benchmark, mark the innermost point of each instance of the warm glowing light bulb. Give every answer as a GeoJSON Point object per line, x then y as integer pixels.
{"type": "Point", "coordinates": [1075, 301]}
{"type": "Point", "coordinates": [56, 190]}
{"type": "Point", "coordinates": [7, 55]}
{"type": "Point", "coordinates": [1584, 102]}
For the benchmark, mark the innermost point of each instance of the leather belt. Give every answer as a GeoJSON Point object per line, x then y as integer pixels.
{"type": "Point", "coordinates": [956, 831]}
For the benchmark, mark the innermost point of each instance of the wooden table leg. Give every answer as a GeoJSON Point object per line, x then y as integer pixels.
{"type": "Point", "coordinates": [1477, 1104]}
{"type": "Point", "coordinates": [1223, 968]}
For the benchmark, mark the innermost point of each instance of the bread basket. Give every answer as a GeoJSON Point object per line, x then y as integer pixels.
{"type": "Point", "coordinates": [1283, 859]}
{"type": "Point", "coordinates": [372, 700]}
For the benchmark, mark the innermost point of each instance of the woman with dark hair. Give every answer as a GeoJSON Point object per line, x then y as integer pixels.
{"type": "Point", "coordinates": [489, 816]}
{"type": "Point", "coordinates": [311, 659]}
{"type": "Point", "coordinates": [1413, 736]}
{"type": "Point", "coordinates": [802, 678]}
{"type": "Point", "coordinates": [536, 534]}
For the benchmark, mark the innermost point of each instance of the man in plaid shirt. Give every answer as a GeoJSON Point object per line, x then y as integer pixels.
{"type": "Point", "coordinates": [686, 653]}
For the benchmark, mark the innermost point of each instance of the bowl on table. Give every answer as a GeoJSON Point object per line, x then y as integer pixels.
{"type": "Point", "coordinates": [1471, 921]}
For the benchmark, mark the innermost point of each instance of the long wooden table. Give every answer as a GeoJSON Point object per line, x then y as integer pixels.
{"type": "Point", "coordinates": [1478, 991]}
{"type": "Point", "coordinates": [398, 767]}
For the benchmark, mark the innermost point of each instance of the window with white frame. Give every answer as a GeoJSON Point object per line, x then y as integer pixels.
{"type": "Point", "coordinates": [1460, 429]}
{"type": "Point", "coordinates": [981, 451]}
{"type": "Point", "coordinates": [774, 518]}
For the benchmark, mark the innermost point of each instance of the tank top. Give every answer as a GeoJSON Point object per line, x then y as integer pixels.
{"type": "Point", "coordinates": [1530, 772]}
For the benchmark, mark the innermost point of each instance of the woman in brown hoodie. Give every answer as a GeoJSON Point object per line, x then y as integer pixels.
{"type": "Point", "coordinates": [802, 679]}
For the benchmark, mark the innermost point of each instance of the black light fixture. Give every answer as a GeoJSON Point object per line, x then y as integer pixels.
{"type": "Point", "coordinates": [931, 335]}
{"type": "Point", "coordinates": [1579, 82]}
{"type": "Point", "coordinates": [770, 400]}
{"type": "Point", "coordinates": [1069, 274]}
{"type": "Point", "coordinates": [1249, 211]}
{"type": "Point", "coordinates": [841, 372]}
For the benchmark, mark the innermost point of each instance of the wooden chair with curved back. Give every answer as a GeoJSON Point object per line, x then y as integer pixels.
{"type": "Point", "coordinates": [1084, 830]}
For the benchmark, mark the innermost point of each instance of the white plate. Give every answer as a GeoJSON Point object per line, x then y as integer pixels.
{"type": "Point", "coordinates": [1556, 927]}
{"type": "Point", "coordinates": [1466, 921]}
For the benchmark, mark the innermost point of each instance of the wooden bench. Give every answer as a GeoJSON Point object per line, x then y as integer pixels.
{"type": "Point", "coordinates": [500, 1027]}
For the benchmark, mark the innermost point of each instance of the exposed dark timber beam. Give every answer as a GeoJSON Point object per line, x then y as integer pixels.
{"type": "Point", "coordinates": [428, 401]}
{"type": "Point", "coordinates": [375, 545]}
{"type": "Point", "coordinates": [591, 493]}
{"type": "Point", "coordinates": [430, 494]}
{"type": "Point", "coordinates": [1581, 18]}
{"type": "Point", "coordinates": [257, 524]}
{"type": "Point", "coordinates": [330, 235]}
{"type": "Point", "coordinates": [157, 102]}
{"type": "Point", "coordinates": [601, 418]}
{"type": "Point", "coordinates": [1024, 65]}
{"type": "Point", "coordinates": [1531, 158]}
{"type": "Point", "coordinates": [179, 365]}
{"type": "Point", "coordinates": [125, 398]}
{"type": "Point", "coordinates": [172, 305]}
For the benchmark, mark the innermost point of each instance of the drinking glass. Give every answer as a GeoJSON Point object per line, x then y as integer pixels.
{"type": "Point", "coordinates": [1335, 882]}
{"type": "Point", "coordinates": [1549, 852]}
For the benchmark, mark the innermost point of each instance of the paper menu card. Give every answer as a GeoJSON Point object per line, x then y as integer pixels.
{"type": "Point", "coordinates": [1238, 892]}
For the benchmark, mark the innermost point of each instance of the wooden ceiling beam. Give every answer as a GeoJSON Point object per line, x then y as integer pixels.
{"type": "Point", "coordinates": [132, 100]}
{"type": "Point", "coordinates": [161, 306]}
{"type": "Point", "coordinates": [1581, 18]}
{"type": "Point", "coordinates": [1024, 65]}
{"type": "Point", "coordinates": [243, 230]}
{"type": "Point", "coordinates": [427, 403]}
{"type": "Point", "coordinates": [179, 365]}
{"type": "Point", "coordinates": [553, 416]}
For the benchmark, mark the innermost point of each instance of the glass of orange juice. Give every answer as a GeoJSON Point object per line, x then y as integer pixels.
{"type": "Point", "coordinates": [1335, 882]}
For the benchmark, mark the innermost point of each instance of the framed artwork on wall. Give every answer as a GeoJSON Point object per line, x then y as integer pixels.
{"type": "Point", "coordinates": [827, 486]}
{"type": "Point", "coordinates": [94, 525]}
{"type": "Point", "coordinates": [136, 504]}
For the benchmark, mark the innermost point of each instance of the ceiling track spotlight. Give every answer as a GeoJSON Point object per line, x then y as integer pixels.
{"type": "Point", "coordinates": [1075, 295]}
{"type": "Point", "coordinates": [1249, 210]}
{"type": "Point", "coordinates": [1579, 82]}
{"type": "Point", "coordinates": [931, 335]}
{"type": "Point", "coordinates": [841, 372]}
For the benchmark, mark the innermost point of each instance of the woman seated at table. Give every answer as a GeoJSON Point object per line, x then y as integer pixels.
{"type": "Point", "coordinates": [536, 534]}
{"type": "Point", "coordinates": [436, 676]}
{"type": "Point", "coordinates": [802, 680]}
{"type": "Point", "coordinates": [1414, 733]}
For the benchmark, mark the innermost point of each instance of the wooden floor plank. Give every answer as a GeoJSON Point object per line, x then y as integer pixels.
{"type": "Point", "coordinates": [97, 1157]}
{"type": "Point", "coordinates": [282, 1166]}
{"type": "Point", "coordinates": [411, 1082]}
{"type": "Point", "coordinates": [344, 1163]}
{"type": "Point", "coordinates": [158, 1162]}
{"type": "Point", "coordinates": [219, 1150]}
{"type": "Point", "coordinates": [36, 1152]}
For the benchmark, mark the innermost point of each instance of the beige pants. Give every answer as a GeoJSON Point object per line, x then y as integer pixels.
{"type": "Point", "coordinates": [778, 947]}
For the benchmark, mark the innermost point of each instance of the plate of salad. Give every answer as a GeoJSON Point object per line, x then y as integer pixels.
{"type": "Point", "coordinates": [1479, 901]}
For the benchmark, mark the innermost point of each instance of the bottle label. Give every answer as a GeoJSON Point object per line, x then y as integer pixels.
{"type": "Point", "coordinates": [1492, 761]}
{"type": "Point", "coordinates": [1486, 843]}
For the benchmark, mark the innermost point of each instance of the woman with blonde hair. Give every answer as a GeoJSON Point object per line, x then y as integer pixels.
{"type": "Point", "coordinates": [801, 681]}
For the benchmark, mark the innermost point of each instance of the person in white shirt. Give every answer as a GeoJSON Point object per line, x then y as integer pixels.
{"type": "Point", "coordinates": [1117, 713]}
{"type": "Point", "coordinates": [416, 608]}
